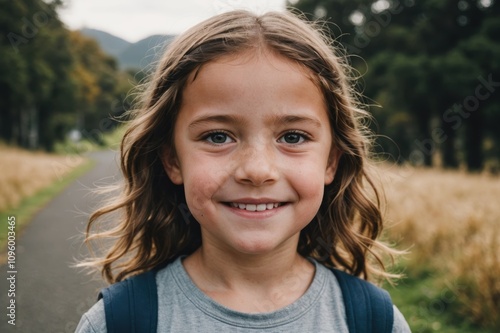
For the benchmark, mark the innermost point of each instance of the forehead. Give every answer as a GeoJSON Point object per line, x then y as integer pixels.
{"type": "Point", "coordinates": [251, 57]}
{"type": "Point", "coordinates": [257, 73]}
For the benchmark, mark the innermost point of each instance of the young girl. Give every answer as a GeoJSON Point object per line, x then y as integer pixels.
{"type": "Point", "coordinates": [245, 170]}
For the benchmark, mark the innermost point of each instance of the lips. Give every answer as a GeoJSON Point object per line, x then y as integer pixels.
{"type": "Point", "coordinates": [255, 207]}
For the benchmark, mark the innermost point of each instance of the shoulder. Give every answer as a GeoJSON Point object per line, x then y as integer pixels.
{"type": "Point", "coordinates": [94, 320]}
{"type": "Point", "coordinates": [360, 295]}
{"type": "Point", "coordinates": [400, 324]}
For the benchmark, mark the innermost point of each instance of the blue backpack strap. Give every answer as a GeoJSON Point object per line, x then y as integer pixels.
{"type": "Point", "coordinates": [368, 308]}
{"type": "Point", "coordinates": [131, 305]}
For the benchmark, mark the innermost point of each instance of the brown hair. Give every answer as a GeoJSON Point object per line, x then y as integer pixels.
{"type": "Point", "coordinates": [154, 227]}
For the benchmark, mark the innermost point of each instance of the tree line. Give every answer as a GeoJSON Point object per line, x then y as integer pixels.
{"type": "Point", "coordinates": [53, 80]}
{"type": "Point", "coordinates": [430, 73]}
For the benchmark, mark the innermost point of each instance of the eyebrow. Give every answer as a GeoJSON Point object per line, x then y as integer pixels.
{"type": "Point", "coordinates": [275, 120]}
{"type": "Point", "coordinates": [291, 119]}
{"type": "Point", "coordinates": [224, 119]}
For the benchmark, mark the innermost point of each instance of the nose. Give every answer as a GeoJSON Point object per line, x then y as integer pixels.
{"type": "Point", "coordinates": [257, 165]}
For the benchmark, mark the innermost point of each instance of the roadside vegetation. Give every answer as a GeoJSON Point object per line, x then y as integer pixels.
{"type": "Point", "coordinates": [449, 222]}
{"type": "Point", "coordinates": [28, 180]}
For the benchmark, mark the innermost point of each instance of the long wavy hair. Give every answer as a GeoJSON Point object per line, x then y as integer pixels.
{"type": "Point", "coordinates": [154, 226]}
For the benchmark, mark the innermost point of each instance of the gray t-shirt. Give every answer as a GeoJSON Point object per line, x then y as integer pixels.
{"type": "Point", "coordinates": [183, 307]}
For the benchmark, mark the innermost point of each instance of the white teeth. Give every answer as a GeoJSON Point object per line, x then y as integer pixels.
{"type": "Point", "coordinates": [254, 207]}
{"type": "Point", "coordinates": [251, 207]}
{"type": "Point", "coordinates": [261, 207]}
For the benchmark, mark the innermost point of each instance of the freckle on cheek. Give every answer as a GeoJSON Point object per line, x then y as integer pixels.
{"type": "Point", "coordinates": [200, 192]}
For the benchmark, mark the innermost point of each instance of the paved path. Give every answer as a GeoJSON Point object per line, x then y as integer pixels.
{"type": "Point", "coordinates": [50, 295]}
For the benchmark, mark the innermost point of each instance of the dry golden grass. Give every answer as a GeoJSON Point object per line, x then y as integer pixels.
{"type": "Point", "coordinates": [23, 173]}
{"type": "Point", "coordinates": [450, 221]}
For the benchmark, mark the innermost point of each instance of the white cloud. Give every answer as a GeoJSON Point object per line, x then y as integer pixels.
{"type": "Point", "coordinates": [136, 19]}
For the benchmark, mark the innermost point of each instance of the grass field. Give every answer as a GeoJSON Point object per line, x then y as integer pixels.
{"type": "Point", "coordinates": [450, 223]}
{"type": "Point", "coordinates": [28, 180]}
{"type": "Point", "coordinates": [24, 173]}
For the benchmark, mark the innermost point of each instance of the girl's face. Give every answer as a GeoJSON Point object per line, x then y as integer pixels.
{"type": "Point", "coordinates": [253, 150]}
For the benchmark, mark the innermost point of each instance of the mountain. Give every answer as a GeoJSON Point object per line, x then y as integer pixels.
{"type": "Point", "coordinates": [139, 55]}
{"type": "Point", "coordinates": [145, 52]}
{"type": "Point", "coordinates": [109, 43]}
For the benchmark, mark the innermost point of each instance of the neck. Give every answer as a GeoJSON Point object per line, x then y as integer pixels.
{"type": "Point", "coordinates": [223, 276]}
{"type": "Point", "coordinates": [230, 268]}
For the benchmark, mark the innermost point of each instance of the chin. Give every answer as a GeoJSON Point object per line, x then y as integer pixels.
{"type": "Point", "coordinates": [257, 247]}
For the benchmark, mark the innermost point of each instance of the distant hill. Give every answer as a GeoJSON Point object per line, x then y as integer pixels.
{"type": "Point", "coordinates": [144, 52]}
{"type": "Point", "coordinates": [139, 55]}
{"type": "Point", "coordinates": [109, 43]}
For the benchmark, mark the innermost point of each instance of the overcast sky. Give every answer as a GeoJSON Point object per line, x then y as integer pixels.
{"type": "Point", "coordinates": [133, 20]}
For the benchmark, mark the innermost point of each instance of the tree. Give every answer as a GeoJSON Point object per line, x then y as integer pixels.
{"type": "Point", "coordinates": [423, 60]}
{"type": "Point", "coordinates": [51, 80]}
{"type": "Point", "coordinates": [32, 64]}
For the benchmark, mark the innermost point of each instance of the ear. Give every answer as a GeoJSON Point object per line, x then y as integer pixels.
{"type": "Point", "coordinates": [331, 167]}
{"type": "Point", "coordinates": [172, 167]}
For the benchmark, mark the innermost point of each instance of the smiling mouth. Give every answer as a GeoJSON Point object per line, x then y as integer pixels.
{"type": "Point", "coordinates": [255, 207]}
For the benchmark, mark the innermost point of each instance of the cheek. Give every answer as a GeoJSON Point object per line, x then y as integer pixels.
{"type": "Point", "coordinates": [311, 189]}
{"type": "Point", "coordinates": [310, 195]}
{"type": "Point", "coordinates": [309, 176]}
{"type": "Point", "coordinates": [200, 186]}
{"type": "Point", "coordinates": [309, 184]}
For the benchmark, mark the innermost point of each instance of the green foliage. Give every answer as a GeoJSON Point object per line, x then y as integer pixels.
{"type": "Point", "coordinates": [109, 140]}
{"type": "Point", "coordinates": [430, 303]}
{"type": "Point", "coordinates": [53, 80]}
{"type": "Point", "coordinates": [426, 61]}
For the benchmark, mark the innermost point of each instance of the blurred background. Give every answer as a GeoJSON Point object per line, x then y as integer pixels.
{"type": "Point", "coordinates": [429, 72]}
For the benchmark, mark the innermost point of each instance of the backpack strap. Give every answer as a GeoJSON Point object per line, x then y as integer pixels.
{"type": "Point", "coordinates": [368, 308]}
{"type": "Point", "coordinates": [131, 305]}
